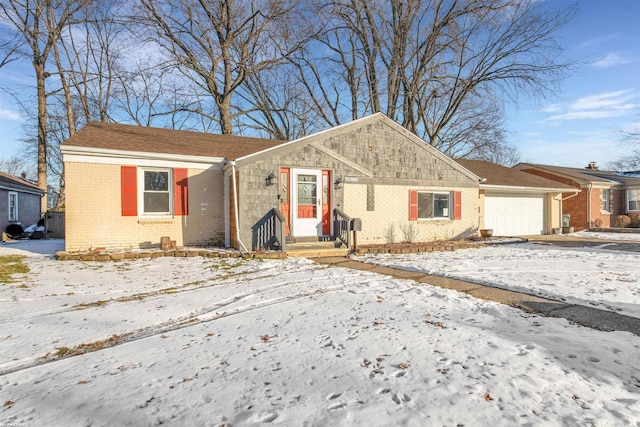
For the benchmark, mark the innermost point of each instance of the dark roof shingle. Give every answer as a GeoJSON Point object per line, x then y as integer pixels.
{"type": "Point", "coordinates": [501, 175]}
{"type": "Point", "coordinates": [585, 175]}
{"type": "Point", "coordinates": [114, 136]}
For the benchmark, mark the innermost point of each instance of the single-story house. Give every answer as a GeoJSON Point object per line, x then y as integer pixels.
{"type": "Point", "coordinates": [603, 195]}
{"type": "Point", "coordinates": [20, 201]}
{"type": "Point", "coordinates": [515, 203]}
{"type": "Point", "coordinates": [128, 186]}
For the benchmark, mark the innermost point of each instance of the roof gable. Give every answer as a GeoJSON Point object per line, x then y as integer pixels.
{"type": "Point", "coordinates": [119, 137]}
{"type": "Point", "coordinates": [331, 140]}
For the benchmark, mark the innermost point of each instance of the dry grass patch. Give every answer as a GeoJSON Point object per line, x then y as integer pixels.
{"type": "Point", "coordinates": [10, 265]}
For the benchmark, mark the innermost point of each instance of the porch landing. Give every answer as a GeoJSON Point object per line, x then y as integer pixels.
{"type": "Point", "coordinates": [316, 249]}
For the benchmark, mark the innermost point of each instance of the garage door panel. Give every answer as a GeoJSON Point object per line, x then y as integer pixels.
{"type": "Point", "coordinates": [514, 214]}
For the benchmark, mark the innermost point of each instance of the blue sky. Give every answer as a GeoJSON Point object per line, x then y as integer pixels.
{"type": "Point", "coordinates": [580, 124]}
{"type": "Point", "coordinates": [601, 98]}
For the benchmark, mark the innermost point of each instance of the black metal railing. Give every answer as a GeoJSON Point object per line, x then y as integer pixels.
{"type": "Point", "coordinates": [342, 227]}
{"type": "Point", "coordinates": [268, 232]}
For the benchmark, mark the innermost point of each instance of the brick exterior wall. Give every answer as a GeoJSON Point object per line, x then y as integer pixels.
{"type": "Point", "coordinates": [585, 212]}
{"type": "Point", "coordinates": [576, 207]}
{"type": "Point", "coordinates": [618, 202]}
{"type": "Point", "coordinates": [94, 216]}
{"type": "Point", "coordinates": [552, 177]}
{"type": "Point", "coordinates": [395, 162]}
{"type": "Point", "coordinates": [392, 212]}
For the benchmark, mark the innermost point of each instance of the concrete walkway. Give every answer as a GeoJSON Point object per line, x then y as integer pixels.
{"type": "Point", "coordinates": [586, 316]}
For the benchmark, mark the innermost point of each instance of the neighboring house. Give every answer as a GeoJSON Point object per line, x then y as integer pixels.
{"type": "Point", "coordinates": [603, 195]}
{"type": "Point", "coordinates": [19, 201]}
{"type": "Point", "coordinates": [515, 203]}
{"type": "Point", "coordinates": [128, 186]}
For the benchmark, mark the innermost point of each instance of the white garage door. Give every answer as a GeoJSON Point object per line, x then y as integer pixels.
{"type": "Point", "coordinates": [514, 214]}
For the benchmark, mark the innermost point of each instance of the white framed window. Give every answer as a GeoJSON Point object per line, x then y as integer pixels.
{"type": "Point", "coordinates": [434, 205]}
{"type": "Point", "coordinates": [13, 206]}
{"type": "Point", "coordinates": [156, 192]}
{"type": "Point", "coordinates": [605, 201]}
{"type": "Point", "coordinates": [633, 200]}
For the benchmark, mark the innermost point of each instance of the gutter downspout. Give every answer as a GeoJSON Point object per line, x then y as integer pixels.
{"type": "Point", "coordinates": [235, 205]}
{"type": "Point", "coordinates": [589, 205]}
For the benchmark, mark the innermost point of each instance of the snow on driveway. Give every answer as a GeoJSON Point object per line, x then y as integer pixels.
{"type": "Point", "coordinates": [240, 342]}
{"type": "Point", "coordinates": [605, 235]}
{"type": "Point", "coordinates": [596, 277]}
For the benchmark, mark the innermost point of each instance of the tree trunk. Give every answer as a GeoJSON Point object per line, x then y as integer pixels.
{"type": "Point", "coordinates": [38, 65]}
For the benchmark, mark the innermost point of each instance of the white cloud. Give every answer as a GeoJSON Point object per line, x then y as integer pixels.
{"type": "Point", "coordinates": [611, 60]}
{"type": "Point", "coordinates": [603, 100]}
{"type": "Point", "coordinates": [600, 106]}
{"type": "Point", "coordinates": [9, 115]}
{"type": "Point", "coordinates": [597, 40]}
{"type": "Point", "coordinates": [553, 108]}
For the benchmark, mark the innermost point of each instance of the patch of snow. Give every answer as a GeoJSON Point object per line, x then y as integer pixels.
{"type": "Point", "coordinates": [607, 235]}
{"type": "Point", "coordinates": [240, 342]}
{"type": "Point", "coordinates": [595, 277]}
{"type": "Point", "coordinates": [31, 247]}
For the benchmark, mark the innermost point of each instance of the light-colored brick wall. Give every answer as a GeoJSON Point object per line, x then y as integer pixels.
{"type": "Point", "coordinates": [94, 215]}
{"type": "Point", "coordinates": [392, 211]}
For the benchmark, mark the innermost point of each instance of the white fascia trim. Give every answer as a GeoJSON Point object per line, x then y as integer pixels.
{"type": "Point", "coordinates": [139, 158]}
{"type": "Point", "coordinates": [512, 188]}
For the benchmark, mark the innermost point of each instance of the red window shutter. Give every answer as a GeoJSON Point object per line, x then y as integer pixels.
{"type": "Point", "coordinates": [457, 205]}
{"type": "Point", "coordinates": [180, 192]}
{"type": "Point", "coordinates": [413, 205]}
{"type": "Point", "coordinates": [129, 185]}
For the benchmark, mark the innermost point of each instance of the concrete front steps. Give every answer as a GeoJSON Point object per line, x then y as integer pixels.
{"type": "Point", "coordinates": [316, 249]}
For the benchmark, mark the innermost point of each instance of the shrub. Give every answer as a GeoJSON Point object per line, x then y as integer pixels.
{"type": "Point", "coordinates": [390, 233]}
{"type": "Point", "coordinates": [635, 220]}
{"type": "Point", "coordinates": [597, 223]}
{"type": "Point", "coordinates": [410, 231]}
{"type": "Point", "coordinates": [621, 221]}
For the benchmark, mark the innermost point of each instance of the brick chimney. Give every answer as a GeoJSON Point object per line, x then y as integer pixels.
{"type": "Point", "coordinates": [592, 166]}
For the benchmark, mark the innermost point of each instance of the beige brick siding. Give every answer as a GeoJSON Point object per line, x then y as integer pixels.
{"type": "Point", "coordinates": [94, 215]}
{"type": "Point", "coordinates": [392, 210]}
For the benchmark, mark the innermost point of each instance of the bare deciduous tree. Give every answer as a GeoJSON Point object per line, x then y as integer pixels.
{"type": "Point", "coordinates": [631, 161]}
{"type": "Point", "coordinates": [219, 44]}
{"type": "Point", "coordinates": [16, 166]}
{"type": "Point", "coordinates": [39, 24]}
{"type": "Point", "coordinates": [437, 67]}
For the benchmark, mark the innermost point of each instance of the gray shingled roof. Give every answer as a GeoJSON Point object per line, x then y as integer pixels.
{"type": "Point", "coordinates": [17, 183]}
{"type": "Point", "coordinates": [113, 136]}
{"type": "Point", "coordinates": [500, 175]}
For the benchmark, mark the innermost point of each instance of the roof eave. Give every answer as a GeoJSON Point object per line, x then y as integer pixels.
{"type": "Point", "coordinates": [526, 189]}
{"type": "Point", "coordinates": [128, 154]}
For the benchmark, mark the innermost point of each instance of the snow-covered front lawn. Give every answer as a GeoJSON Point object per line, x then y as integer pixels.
{"type": "Point", "coordinates": [606, 279]}
{"type": "Point", "coordinates": [236, 342]}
